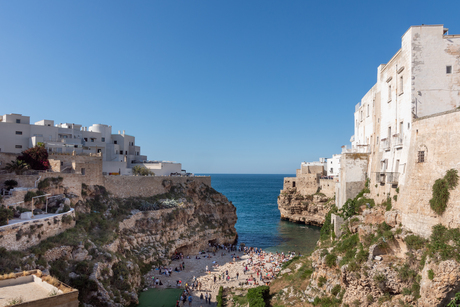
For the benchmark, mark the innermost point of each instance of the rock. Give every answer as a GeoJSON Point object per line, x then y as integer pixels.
{"type": "Point", "coordinates": [45, 272]}
{"type": "Point", "coordinates": [392, 218]}
{"type": "Point", "coordinates": [66, 201]}
{"type": "Point", "coordinates": [79, 254]}
{"type": "Point", "coordinates": [379, 258]}
{"type": "Point", "coordinates": [73, 275]}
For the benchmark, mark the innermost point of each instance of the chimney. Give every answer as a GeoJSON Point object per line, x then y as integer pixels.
{"type": "Point", "coordinates": [123, 132]}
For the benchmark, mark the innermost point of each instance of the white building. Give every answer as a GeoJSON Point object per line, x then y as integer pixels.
{"type": "Point", "coordinates": [333, 166]}
{"type": "Point", "coordinates": [421, 79]}
{"type": "Point", "coordinates": [119, 151]}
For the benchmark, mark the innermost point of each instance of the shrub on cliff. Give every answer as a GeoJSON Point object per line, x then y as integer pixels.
{"type": "Point", "coordinates": [441, 188]}
{"type": "Point", "coordinates": [258, 296]}
{"type": "Point", "coordinates": [36, 157]}
{"type": "Point", "coordinates": [5, 215]}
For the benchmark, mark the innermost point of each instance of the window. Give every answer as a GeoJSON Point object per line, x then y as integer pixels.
{"type": "Point", "coordinates": [83, 171]}
{"type": "Point", "coordinates": [389, 93]}
{"type": "Point", "coordinates": [408, 126]}
{"type": "Point", "coordinates": [75, 146]}
{"type": "Point", "coordinates": [86, 139]}
{"type": "Point", "coordinates": [293, 184]}
{"type": "Point", "coordinates": [62, 163]}
{"type": "Point", "coordinates": [367, 110]}
{"type": "Point", "coordinates": [448, 69]}
{"type": "Point", "coordinates": [18, 146]}
{"type": "Point", "coordinates": [401, 85]}
{"type": "Point", "coordinates": [92, 140]}
{"type": "Point", "coordinates": [18, 121]}
{"type": "Point", "coordinates": [421, 156]}
{"type": "Point", "coordinates": [126, 152]}
{"type": "Point", "coordinates": [99, 150]}
{"type": "Point", "coordinates": [115, 142]}
{"type": "Point", "coordinates": [137, 153]}
{"type": "Point", "coordinates": [19, 132]}
{"type": "Point", "coordinates": [377, 139]}
{"type": "Point", "coordinates": [102, 139]}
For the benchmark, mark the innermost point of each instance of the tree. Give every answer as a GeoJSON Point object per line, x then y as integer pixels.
{"type": "Point", "coordinates": [36, 157]}
{"type": "Point", "coordinates": [140, 170]}
{"type": "Point", "coordinates": [17, 166]}
{"type": "Point", "coordinates": [10, 184]}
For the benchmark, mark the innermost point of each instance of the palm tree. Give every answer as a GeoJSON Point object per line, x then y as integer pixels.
{"type": "Point", "coordinates": [17, 166]}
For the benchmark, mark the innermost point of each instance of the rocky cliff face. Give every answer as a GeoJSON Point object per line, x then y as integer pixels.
{"type": "Point", "coordinates": [376, 262]}
{"type": "Point", "coordinates": [116, 241]}
{"type": "Point", "coordinates": [308, 209]}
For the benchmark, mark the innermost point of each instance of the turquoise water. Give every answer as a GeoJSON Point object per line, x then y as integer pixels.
{"type": "Point", "coordinates": [259, 224]}
{"type": "Point", "coordinates": [159, 297]}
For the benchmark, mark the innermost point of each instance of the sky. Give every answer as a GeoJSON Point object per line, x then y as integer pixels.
{"type": "Point", "coordinates": [219, 86]}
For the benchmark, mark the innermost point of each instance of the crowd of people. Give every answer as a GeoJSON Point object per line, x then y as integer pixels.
{"type": "Point", "coordinates": [222, 265]}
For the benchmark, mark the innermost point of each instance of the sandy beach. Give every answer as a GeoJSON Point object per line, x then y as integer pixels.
{"type": "Point", "coordinates": [267, 264]}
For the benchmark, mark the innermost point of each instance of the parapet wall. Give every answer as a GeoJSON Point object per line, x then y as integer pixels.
{"type": "Point", "coordinates": [21, 236]}
{"type": "Point", "coordinates": [438, 138]}
{"type": "Point", "coordinates": [129, 186]}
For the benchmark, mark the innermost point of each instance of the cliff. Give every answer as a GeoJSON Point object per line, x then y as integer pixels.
{"type": "Point", "coordinates": [376, 261]}
{"type": "Point", "coordinates": [308, 209]}
{"type": "Point", "coordinates": [117, 240]}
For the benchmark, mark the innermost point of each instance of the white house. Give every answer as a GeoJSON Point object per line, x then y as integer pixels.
{"type": "Point", "coordinates": [119, 151]}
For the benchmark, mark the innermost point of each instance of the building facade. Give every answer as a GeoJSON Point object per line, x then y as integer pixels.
{"type": "Point", "coordinates": [119, 151]}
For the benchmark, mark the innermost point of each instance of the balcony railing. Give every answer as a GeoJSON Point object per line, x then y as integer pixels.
{"type": "Point", "coordinates": [357, 149]}
{"type": "Point", "coordinates": [398, 140]}
{"type": "Point", "coordinates": [387, 177]}
{"type": "Point", "coordinates": [357, 106]}
{"type": "Point", "coordinates": [386, 144]}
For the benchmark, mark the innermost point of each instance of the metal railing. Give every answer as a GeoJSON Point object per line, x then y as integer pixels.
{"type": "Point", "coordinates": [386, 144]}
{"type": "Point", "coordinates": [398, 139]}
{"type": "Point", "coordinates": [387, 177]}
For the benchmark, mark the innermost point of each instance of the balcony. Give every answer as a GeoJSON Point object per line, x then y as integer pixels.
{"type": "Point", "coordinates": [387, 177]}
{"type": "Point", "coordinates": [357, 149]}
{"type": "Point", "coordinates": [398, 140]}
{"type": "Point", "coordinates": [386, 144]}
{"type": "Point", "coordinates": [357, 106]}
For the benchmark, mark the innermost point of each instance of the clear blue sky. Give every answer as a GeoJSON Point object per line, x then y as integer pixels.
{"type": "Point", "coordinates": [220, 86]}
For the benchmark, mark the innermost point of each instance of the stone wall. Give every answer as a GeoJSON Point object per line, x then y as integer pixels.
{"type": "Point", "coordinates": [23, 235]}
{"type": "Point", "coordinates": [144, 186]}
{"type": "Point", "coordinates": [6, 158]}
{"type": "Point", "coordinates": [353, 167]}
{"type": "Point", "coordinates": [438, 137]}
{"type": "Point", "coordinates": [328, 186]}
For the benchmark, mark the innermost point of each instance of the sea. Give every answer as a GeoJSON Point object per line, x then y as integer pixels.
{"type": "Point", "coordinates": [259, 221]}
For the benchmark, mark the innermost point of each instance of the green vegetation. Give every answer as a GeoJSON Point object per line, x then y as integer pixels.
{"type": "Point", "coordinates": [219, 297]}
{"type": "Point", "coordinates": [351, 206]}
{"type": "Point", "coordinates": [36, 157]}
{"type": "Point", "coordinates": [16, 166]}
{"type": "Point", "coordinates": [331, 260]}
{"type": "Point", "coordinates": [415, 242]}
{"type": "Point", "coordinates": [441, 188]}
{"type": "Point", "coordinates": [5, 215]}
{"type": "Point", "coordinates": [321, 281]}
{"type": "Point", "coordinates": [139, 170]}
{"type": "Point", "coordinates": [430, 274]}
{"type": "Point", "coordinates": [336, 290]}
{"type": "Point", "coordinates": [10, 184]}
{"type": "Point", "coordinates": [327, 228]}
{"type": "Point", "coordinates": [258, 296]}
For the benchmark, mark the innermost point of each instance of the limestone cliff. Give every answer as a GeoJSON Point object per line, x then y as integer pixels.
{"type": "Point", "coordinates": [309, 209]}
{"type": "Point", "coordinates": [116, 241]}
{"type": "Point", "coordinates": [376, 262]}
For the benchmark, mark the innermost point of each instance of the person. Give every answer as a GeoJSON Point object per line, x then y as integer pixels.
{"type": "Point", "coordinates": [209, 298]}
{"type": "Point", "coordinates": [201, 296]}
{"type": "Point", "coordinates": [214, 278]}
{"type": "Point", "coordinates": [177, 303]}
{"type": "Point", "coordinates": [237, 274]}
{"type": "Point", "coordinates": [190, 300]}
{"type": "Point", "coordinates": [206, 297]}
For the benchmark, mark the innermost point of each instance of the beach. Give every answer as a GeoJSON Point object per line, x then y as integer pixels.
{"type": "Point", "coordinates": [218, 264]}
